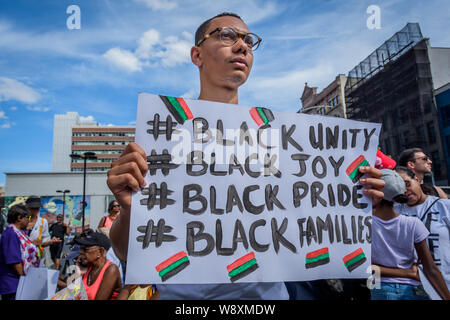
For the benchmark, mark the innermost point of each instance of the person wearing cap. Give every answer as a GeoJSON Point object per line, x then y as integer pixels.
{"type": "Point", "coordinates": [395, 239]}
{"type": "Point", "coordinates": [37, 228]}
{"type": "Point", "coordinates": [434, 212]}
{"type": "Point", "coordinates": [102, 280]}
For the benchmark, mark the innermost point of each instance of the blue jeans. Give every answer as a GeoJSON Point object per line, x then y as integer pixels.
{"type": "Point", "coordinates": [397, 291]}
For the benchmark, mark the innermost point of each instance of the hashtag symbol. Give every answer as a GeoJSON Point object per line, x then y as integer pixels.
{"type": "Point", "coordinates": [153, 192]}
{"type": "Point", "coordinates": [162, 127]}
{"type": "Point", "coordinates": [157, 234]}
{"type": "Point", "coordinates": [160, 161]}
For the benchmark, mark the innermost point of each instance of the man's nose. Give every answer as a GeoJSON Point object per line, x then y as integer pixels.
{"type": "Point", "coordinates": [240, 46]}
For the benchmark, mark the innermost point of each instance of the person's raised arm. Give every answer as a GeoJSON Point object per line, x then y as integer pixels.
{"type": "Point", "coordinates": [431, 271]}
{"type": "Point", "coordinates": [126, 175]}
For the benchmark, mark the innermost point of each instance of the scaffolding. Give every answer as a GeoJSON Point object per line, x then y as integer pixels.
{"type": "Point", "coordinates": [393, 86]}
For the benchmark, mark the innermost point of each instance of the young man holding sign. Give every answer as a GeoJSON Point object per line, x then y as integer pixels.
{"type": "Point", "coordinates": [224, 55]}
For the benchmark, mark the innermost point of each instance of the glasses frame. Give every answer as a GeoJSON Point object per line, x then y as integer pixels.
{"type": "Point", "coordinates": [240, 34]}
{"type": "Point", "coordinates": [424, 158]}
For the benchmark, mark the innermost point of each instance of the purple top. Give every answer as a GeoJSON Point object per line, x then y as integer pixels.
{"type": "Point", "coordinates": [393, 244]}
{"type": "Point", "coordinates": [9, 254]}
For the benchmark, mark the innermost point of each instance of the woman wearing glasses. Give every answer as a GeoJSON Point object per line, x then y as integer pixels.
{"type": "Point", "coordinates": [434, 213]}
{"type": "Point", "coordinates": [17, 253]}
{"type": "Point", "coordinates": [106, 222]}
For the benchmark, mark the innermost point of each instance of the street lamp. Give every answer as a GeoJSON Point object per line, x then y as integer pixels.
{"type": "Point", "coordinates": [85, 156]}
{"type": "Point", "coordinates": [64, 200]}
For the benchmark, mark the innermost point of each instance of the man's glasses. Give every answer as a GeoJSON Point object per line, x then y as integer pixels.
{"type": "Point", "coordinates": [230, 36]}
{"type": "Point", "coordinates": [425, 158]}
{"type": "Point", "coordinates": [116, 205]}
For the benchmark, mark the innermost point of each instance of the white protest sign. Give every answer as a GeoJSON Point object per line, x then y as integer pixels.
{"type": "Point", "coordinates": [244, 194]}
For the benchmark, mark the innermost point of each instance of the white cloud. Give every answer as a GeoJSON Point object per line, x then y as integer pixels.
{"type": "Point", "coordinates": [11, 89]}
{"type": "Point", "coordinates": [13, 108]}
{"type": "Point", "coordinates": [146, 42]}
{"type": "Point", "coordinates": [152, 50]}
{"type": "Point", "coordinates": [38, 109]}
{"type": "Point", "coordinates": [87, 119]}
{"type": "Point", "coordinates": [5, 126]}
{"type": "Point", "coordinates": [2, 115]}
{"type": "Point", "coordinates": [123, 59]}
{"type": "Point", "coordinates": [158, 4]}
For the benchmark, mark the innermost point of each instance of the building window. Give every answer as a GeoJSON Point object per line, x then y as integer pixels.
{"type": "Point", "coordinates": [431, 132]}
{"type": "Point", "coordinates": [337, 99]}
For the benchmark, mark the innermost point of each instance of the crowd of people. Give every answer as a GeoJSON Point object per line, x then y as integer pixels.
{"type": "Point", "coordinates": [410, 224]}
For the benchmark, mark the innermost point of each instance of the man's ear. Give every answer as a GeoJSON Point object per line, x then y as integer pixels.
{"type": "Point", "coordinates": [196, 56]}
{"type": "Point", "coordinates": [410, 165]}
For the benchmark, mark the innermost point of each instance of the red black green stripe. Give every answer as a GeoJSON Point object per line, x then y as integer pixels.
{"type": "Point", "coordinates": [353, 169]}
{"type": "Point", "coordinates": [354, 259]}
{"type": "Point", "coordinates": [242, 267]}
{"type": "Point", "coordinates": [178, 108]}
{"type": "Point", "coordinates": [317, 258]}
{"type": "Point", "coordinates": [261, 115]}
{"type": "Point", "coordinates": [170, 267]}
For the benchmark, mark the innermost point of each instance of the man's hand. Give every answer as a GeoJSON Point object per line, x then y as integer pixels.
{"type": "Point", "coordinates": [372, 183]}
{"type": "Point", "coordinates": [127, 174]}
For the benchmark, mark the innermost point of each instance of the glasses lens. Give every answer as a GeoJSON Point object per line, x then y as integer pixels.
{"type": "Point", "coordinates": [228, 36]}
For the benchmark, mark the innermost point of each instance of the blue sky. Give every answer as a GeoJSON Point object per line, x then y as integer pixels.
{"type": "Point", "coordinates": [124, 47]}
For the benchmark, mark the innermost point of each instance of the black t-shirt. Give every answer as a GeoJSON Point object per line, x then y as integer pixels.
{"type": "Point", "coordinates": [58, 230]}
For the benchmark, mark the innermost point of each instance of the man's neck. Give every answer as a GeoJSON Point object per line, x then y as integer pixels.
{"type": "Point", "coordinates": [221, 94]}
{"type": "Point", "coordinates": [420, 176]}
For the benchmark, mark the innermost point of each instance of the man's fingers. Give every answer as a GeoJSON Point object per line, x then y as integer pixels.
{"type": "Point", "coordinates": [134, 147]}
{"type": "Point", "coordinates": [129, 168]}
{"type": "Point", "coordinates": [118, 183]}
{"type": "Point", "coordinates": [135, 157]}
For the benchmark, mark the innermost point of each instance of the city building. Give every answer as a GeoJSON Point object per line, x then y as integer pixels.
{"type": "Point", "coordinates": [330, 101]}
{"type": "Point", "coordinates": [75, 136]}
{"type": "Point", "coordinates": [440, 70]}
{"type": "Point", "coordinates": [394, 86]}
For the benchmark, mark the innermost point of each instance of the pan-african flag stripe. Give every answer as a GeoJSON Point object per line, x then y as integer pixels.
{"type": "Point", "coordinates": [353, 171]}
{"type": "Point", "coordinates": [242, 267]}
{"type": "Point", "coordinates": [317, 258]}
{"type": "Point", "coordinates": [354, 259]}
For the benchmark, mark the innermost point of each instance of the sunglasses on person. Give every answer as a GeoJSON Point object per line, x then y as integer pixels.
{"type": "Point", "coordinates": [229, 36]}
{"type": "Point", "coordinates": [116, 205]}
{"type": "Point", "coordinates": [425, 158]}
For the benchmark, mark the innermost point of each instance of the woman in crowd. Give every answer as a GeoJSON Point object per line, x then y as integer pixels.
{"type": "Point", "coordinates": [434, 212]}
{"type": "Point", "coordinates": [102, 279]}
{"type": "Point", "coordinates": [17, 253]}
{"type": "Point", "coordinates": [107, 221]}
{"type": "Point", "coordinates": [395, 238]}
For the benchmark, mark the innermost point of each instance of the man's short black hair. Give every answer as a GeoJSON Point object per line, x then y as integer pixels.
{"type": "Point", "coordinates": [16, 212]}
{"type": "Point", "coordinates": [408, 155]}
{"type": "Point", "coordinates": [201, 30]}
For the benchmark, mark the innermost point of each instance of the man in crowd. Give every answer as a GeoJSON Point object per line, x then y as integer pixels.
{"type": "Point", "coordinates": [417, 161]}
{"type": "Point", "coordinates": [223, 53]}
